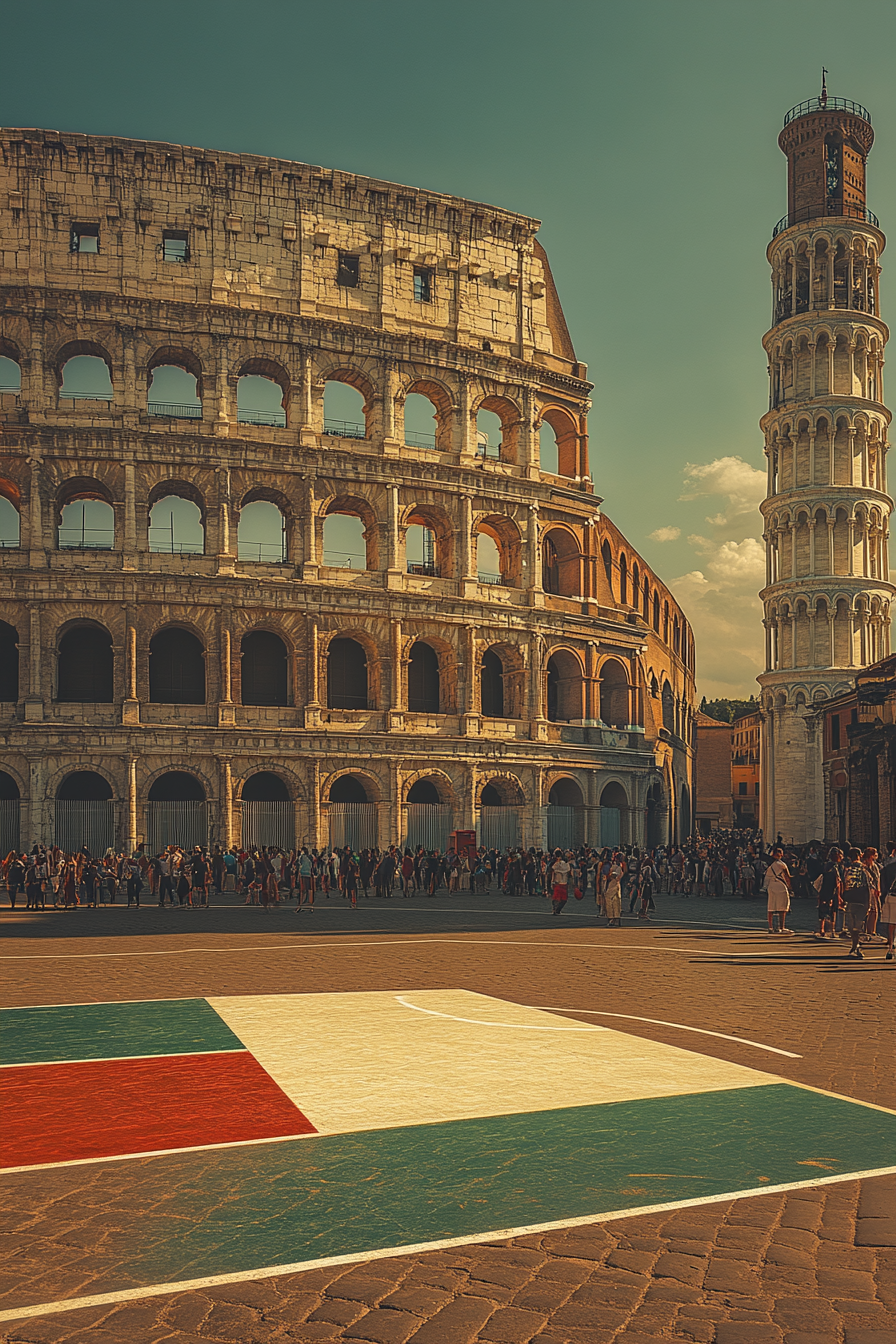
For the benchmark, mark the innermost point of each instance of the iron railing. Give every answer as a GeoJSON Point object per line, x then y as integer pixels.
{"type": "Point", "coordinates": [275, 418]}
{"type": "Point", "coordinates": [183, 824]}
{"type": "Point", "coordinates": [492, 579]}
{"type": "Point", "coordinates": [344, 560]}
{"type": "Point", "coordinates": [167, 545]}
{"type": "Point", "coordinates": [345, 429]}
{"type": "Point", "coordinates": [269, 825]}
{"type": "Point", "coordinates": [827, 105]}
{"type": "Point", "coordinates": [423, 570]}
{"type": "Point", "coordinates": [260, 552]}
{"type": "Point", "coordinates": [7, 543]}
{"type": "Point", "coordinates": [87, 823]}
{"type": "Point", "coordinates": [836, 209]}
{"type": "Point", "coordinates": [108, 398]}
{"type": "Point", "coordinates": [419, 440]}
{"type": "Point", "coordinates": [86, 538]}
{"type": "Point", "coordinates": [499, 827]}
{"type": "Point", "coordinates": [10, 387]}
{"type": "Point", "coordinates": [354, 824]}
{"type": "Point", "coordinates": [174, 410]}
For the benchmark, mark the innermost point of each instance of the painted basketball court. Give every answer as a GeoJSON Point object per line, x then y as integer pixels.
{"type": "Point", "coordinates": [270, 1133]}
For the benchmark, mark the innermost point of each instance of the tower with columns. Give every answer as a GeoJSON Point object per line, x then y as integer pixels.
{"type": "Point", "coordinates": [826, 513]}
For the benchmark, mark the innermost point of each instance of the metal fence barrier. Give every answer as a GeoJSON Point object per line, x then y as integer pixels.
{"type": "Point", "coordinates": [429, 825]}
{"type": "Point", "coordinates": [180, 823]}
{"type": "Point", "coordinates": [10, 809]}
{"type": "Point", "coordinates": [84, 823]}
{"type": "Point", "coordinates": [270, 824]}
{"type": "Point", "coordinates": [499, 827]}
{"type": "Point", "coordinates": [353, 824]}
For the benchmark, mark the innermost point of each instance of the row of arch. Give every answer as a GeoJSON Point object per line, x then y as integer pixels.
{"type": "Point", "coordinates": [847, 450]}
{"type": "Point", "coordinates": [630, 585]}
{"type": "Point", "coordinates": [433, 787]}
{"type": "Point", "coordinates": [817, 631]}
{"type": "Point", "coordinates": [344, 400]}
{"type": "Point", "coordinates": [826, 540]}
{"type": "Point", "coordinates": [353, 676]}
{"type": "Point", "coordinates": [825, 271]}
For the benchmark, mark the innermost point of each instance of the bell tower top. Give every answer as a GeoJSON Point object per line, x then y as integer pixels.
{"type": "Point", "coordinates": [826, 141]}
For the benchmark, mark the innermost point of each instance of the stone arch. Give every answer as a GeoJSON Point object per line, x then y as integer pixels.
{"type": "Point", "coordinates": [176, 357]}
{"type": "Point", "coordinates": [82, 786]}
{"type": "Point", "coordinates": [9, 663]}
{"type": "Point", "coordinates": [500, 789]}
{"type": "Point", "coordinates": [614, 698]}
{"type": "Point", "coordinates": [276, 376]}
{"type": "Point", "coordinates": [510, 416]}
{"type": "Point", "coordinates": [178, 786]}
{"type": "Point", "coordinates": [265, 786]}
{"type": "Point", "coordinates": [352, 376]}
{"type": "Point", "coordinates": [85, 663]}
{"type": "Point", "coordinates": [177, 674]}
{"type": "Point", "coordinates": [441, 782]}
{"type": "Point", "coordinates": [352, 506]}
{"type": "Point", "coordinates": [442, 401]}
{"type": "Point", "coordinates": [434, 682]}
{"type": "Point", "coordinates": [71, 350]}
{"type": "Point", "coordinates": [561, 562]}
{"type": "Point", "coordinates": [566, 431]}
{"type": "Point", "coordinates": [264, 667]}
{"type": "Point", "coordinates": [348, 655]}
{"type": "Point", "coordinates": [434, 519]}
{"type": "Point", "coordinates": [564, 686]}
{"type": "Point", "coordinates": [505, 533]}
{"type": "Point", "coordinates": [564, 790]}
{"type": "Point", "coordinates": [369, 784]}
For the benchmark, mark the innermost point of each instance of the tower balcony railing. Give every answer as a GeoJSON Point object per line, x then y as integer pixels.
{"type": "Point", "coordinates": [827, 105]}
{"type": "Point", "coordinates": [835, 210]}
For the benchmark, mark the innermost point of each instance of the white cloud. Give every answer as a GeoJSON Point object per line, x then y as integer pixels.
{"type": "Point", "coordinates": [732, 477]}
{"type": "Point", "coordinates": [721, 597]}
{"type": "Point", "coordinates": [666, 534]}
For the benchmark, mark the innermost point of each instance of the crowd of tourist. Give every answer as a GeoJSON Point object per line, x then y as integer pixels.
{"type": "Point", "coordinates": [854, 890]}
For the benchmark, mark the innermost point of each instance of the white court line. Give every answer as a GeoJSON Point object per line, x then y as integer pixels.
{"type": "Point", "coordinates": [657, 1022]}
{"type": "Point", "coordinates": [609, 946]}
{"type": "Point", "coordinates": [118, 1059]}
{"type": "Point", "coordinates": [384, 1253]}
{"type": "Point", "coordinates": [480, 1022]}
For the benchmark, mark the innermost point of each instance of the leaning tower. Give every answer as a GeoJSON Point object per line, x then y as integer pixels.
{"type": "Point", "coordinates": [827, 592]}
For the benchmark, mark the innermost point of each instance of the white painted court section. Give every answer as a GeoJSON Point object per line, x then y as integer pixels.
{"type": "Point", "coordinates": [357, 1061]}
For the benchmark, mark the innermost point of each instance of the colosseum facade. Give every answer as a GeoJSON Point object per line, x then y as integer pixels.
{"type": "Point", "coordinates": [248, 593]}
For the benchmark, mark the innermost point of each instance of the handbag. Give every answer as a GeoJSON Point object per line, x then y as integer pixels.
{"type": "Point", "coordinates": [577, 892]}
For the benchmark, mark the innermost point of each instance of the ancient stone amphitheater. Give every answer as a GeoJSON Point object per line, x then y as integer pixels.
{"type": "Point", "coordinates": [297, 533]}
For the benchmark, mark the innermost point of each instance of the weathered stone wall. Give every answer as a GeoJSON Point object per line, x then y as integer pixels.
{"type": "Point", "coordinates": [258, 295]}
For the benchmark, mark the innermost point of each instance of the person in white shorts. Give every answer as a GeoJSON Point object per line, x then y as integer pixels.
{"type": "Point", "coordinates": [777, 885]}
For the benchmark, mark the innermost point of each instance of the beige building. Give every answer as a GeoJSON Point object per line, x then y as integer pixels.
{"type": "Point", "coordinates": [299, 540]}
{"type": "Point", "coordinates": [826, 516]}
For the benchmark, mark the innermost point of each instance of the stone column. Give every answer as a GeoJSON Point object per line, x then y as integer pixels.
{"type": "Point", "coordinates": [393, 565]}
{"type": "Point", "coordinates": [393, 431]}
{"type": "Point", "coordinates": [129, 548]}
{"type": "Point", "coordinates": [41, 833]}
{"type": "Point", "coordinates": [223, 399]}
{"type": "Point", "coordinates": [311, 562]}
{"type": "Point", "coordinates": [130, 709]}
{"type": "Point", "coordinates": [527, 439]}
{"type": "Point", "coordinates": [313, 671]}
{"type": "Point", "coordinates": [537, 711]}
{"type": "Point", "coordinates": [34, 701]}
{"type": "Point", "coordinates": [812, 434]}
{"type": "Point", "coordinates": [465, 540]}
{"type": "Point", "coordinates": [226, 790]}
{"type": "Point", "coordinates": [226, 557]}
{"type": "Point", "coordinates": [397, 684]}
{"type": "Point", "coordinates": [465, 436]}
{"type": "Point", "coordinates": [812, 526]}
{"type": "Point", "coordinates": [37, 546]}
{"type": "Point", "coordinates": [314, 805]}
{"type": "Point", "coordinates": [131, 838]}
{"type": "Point", "coordinates": [532, 568]}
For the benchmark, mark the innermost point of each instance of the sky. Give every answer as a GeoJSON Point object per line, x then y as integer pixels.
{"type": "Point", "coordinates": [643, 133]}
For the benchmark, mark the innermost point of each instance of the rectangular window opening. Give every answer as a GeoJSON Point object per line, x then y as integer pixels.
{"type": "Point", "coordinates": [349, 270]}
{"type": "Point", "coordinates": [422, 284]}
{"type": "Point", "coordinates": [85, 238]}
{"type": "Point", "coordinates": [176, 247]}
{"type": "Point", "coordinates": [742, 787]}
{"type": "Point", "coordinates": [835, 732]}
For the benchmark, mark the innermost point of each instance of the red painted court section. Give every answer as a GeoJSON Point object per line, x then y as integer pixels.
{"type": "Point", "coordinates": [106, 1108]}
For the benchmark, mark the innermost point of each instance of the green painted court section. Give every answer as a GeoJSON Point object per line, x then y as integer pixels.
{"type": "Point", "coordinates": [240, 1209]}
{"type": "Point", "coordinates": [112, 1031]}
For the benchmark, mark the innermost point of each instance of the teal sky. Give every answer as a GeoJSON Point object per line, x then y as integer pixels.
{"type": "Point", "coordinates": [643, 133]}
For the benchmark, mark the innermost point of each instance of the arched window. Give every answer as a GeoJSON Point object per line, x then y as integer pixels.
{"type": "Point", "coordinates": [420, 550]}
{"type": "Point", "coordinates": [85, 666]}
{"type": "Point", "coordinates": [86, 378]}
{"type": "Point", "coordinates": [614, 694]}
{"type": "Point", "coordinates": [656, 612]}
{"type": "Point", "coordinates": [259, 401]}
{"type": "Point", "coordinates": [264, 787]}
{"type": "Point", "coordinates": [345, 541]}
{"type": "Point", "coordinates": [10, 523]}
{"type": "Point", "coordinates": [561, 563]}
{"type": "Point", "coordinates": [488, 434]}
{"type": "Point", "coordinates": [344, 410]}
{"type": "Point", "coordinates": [176, 786]}
{"type": "Point", "coordinates": [176, 668]}
{"type": "Point", "coordinates": [564, 688]}
{"type": "Point", "coordinates": [492, 685]}
{"type": "Point", "coordinates": [346, 675]}
{"type": "Point", "coordinates": [668, 707]}
{"type": "Point", "coordinates": [84, 786]}
{"type": "Point", "coordinates": [424, 689]}
{"type": "Point", "coordinates": [176, 526]}
{"type": "Point", "coordinates": [9, 663]}
{"type": "Point", "coordinates": [264, 663]}
{"type": "Point", "coordinates": [420, 423]}
{"type": "Point", "coordinates": [424, 791]}
{"type": "Point", "coordinates": [623, 580]}
{"type": "Point", "coordinates": [488, 559]}
{"type": "Point", "coordinates": [261, 533]}
{"type": "Point", "coordinates": [349, 789]}
{"type": "Point", "coordinates": [548, 450]}
{"type": "Point", "coordinates": [607, 556]}
{"type": "Point", "coordinates": [86, 524]}
{"type": "Point", "coordinates": [174, 393]}
{"type": "Point", "coordinates": [10, 377]}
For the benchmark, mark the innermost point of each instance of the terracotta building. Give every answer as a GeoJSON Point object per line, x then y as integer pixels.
{"type": "Point", "coordinates": [745, 770]}
{"type": "Point", "coordinates": [248, 592]}
{"type": "Point", "coordinates": [713, 808]}
{"type": "Point", "coordinates": [858, 731]}
{"type": "Point", "coordinates": [828, 593]}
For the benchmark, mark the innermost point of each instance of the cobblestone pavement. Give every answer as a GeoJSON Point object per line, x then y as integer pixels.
{"type": "Point", "coordinates": [811, 1266]}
